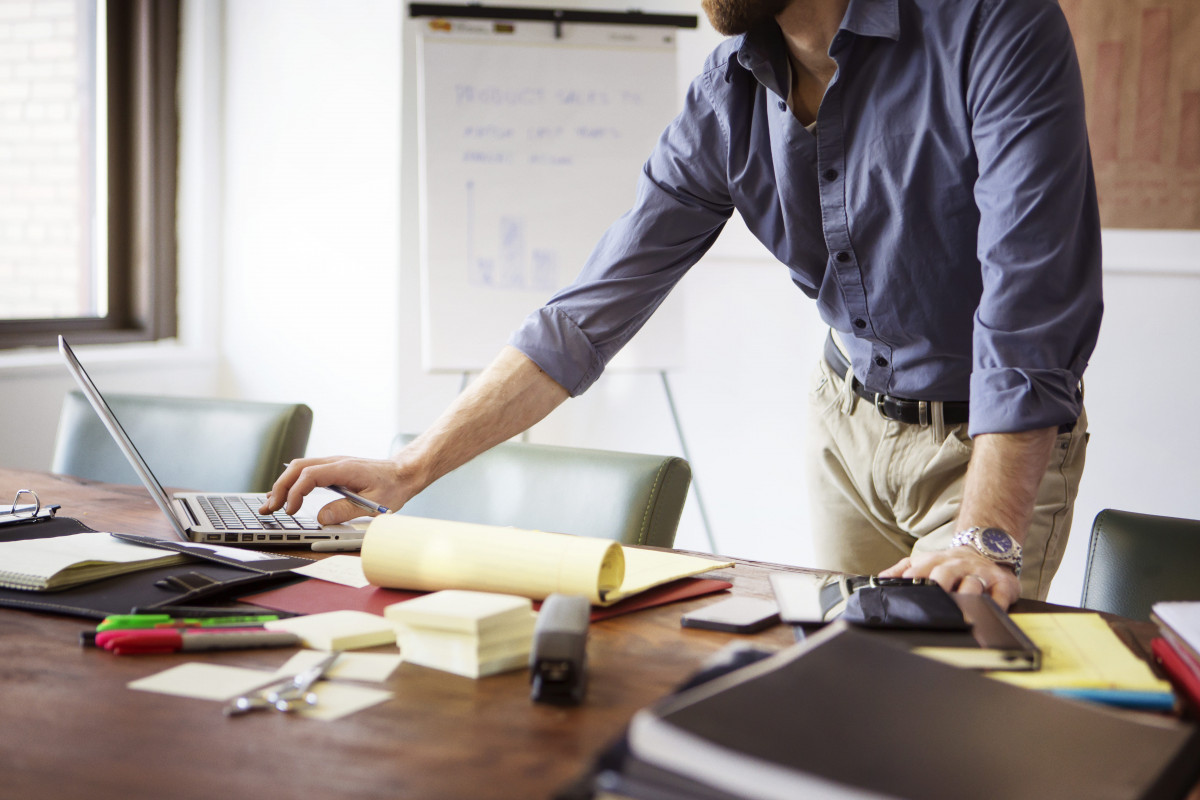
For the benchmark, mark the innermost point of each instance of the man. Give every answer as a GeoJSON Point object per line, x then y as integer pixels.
{"type": "Point", "coordinates": [921, 167]}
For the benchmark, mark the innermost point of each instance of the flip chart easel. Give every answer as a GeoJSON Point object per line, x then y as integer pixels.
{"type": "Point", "coordinates": [533, 125]}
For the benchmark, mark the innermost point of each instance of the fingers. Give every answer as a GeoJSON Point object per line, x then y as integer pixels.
{"type": "Point", "coordinates": [958, 570]}
{"type": "Point", "coordinates": [279, 489]}
{"type": "Point", "coordinates": [1007, 591]}
{"type": "Point", "coordinates": [338, 511]}
{"type": "Point", "coordinates": [300, 477]}
{"type": "Point", "coordinates": [898, 569]}
{"type": "Point", "coordinates": [972, 584]}
{"type": "Point", "coordinates": [375, 480]}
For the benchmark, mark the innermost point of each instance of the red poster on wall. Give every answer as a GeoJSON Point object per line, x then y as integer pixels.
{"type": "Point", "coordinates": [1141, 75]}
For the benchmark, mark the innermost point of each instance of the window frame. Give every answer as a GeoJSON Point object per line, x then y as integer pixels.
{"type": "Point", "coordinates": [143, 154]}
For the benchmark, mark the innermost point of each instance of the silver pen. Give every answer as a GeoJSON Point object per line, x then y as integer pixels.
{"type": "Point", "coordinates": [359, 500]}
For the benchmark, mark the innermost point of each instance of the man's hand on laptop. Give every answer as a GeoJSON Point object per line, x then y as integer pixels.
{"type": "Point", "coordinates": [379, 480]}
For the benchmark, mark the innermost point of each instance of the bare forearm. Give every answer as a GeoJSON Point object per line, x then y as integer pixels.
{"type": "Point", "coordinates": [1003, 478]}
{"type": "Point", "coordinates": [507, 398]}
{"type": "Point", "coordinates": [1002, 482]}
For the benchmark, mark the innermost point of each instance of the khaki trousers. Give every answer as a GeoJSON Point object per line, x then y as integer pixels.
{"type": "Point", "coordinates": [880, 490]}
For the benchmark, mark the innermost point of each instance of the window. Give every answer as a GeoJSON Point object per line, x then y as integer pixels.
{"type": "Point", "coordinates": [88, 143]}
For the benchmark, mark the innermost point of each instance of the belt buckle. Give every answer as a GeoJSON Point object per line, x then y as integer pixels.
{"type": "Point", "coordinates": [879, 398]}
{"type": "Point", "coordinates": [922, 410]}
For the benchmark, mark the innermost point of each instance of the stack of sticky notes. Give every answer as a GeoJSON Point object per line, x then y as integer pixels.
{"type": "Point", "coordinates": [473, 634]}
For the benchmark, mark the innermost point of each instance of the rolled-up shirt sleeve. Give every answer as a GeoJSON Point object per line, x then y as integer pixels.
{"type": "Point", "coordinates": [682, 203]}
{"type": "Point", "coordinates": [1039, 233]}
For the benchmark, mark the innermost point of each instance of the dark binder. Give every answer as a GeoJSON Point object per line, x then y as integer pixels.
{"type": "Point", "coordinates": [208, 576]}
{"type": "Point", "coordinates": [846, 713]}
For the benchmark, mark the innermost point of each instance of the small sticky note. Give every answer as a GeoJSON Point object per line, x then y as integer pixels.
{"type": "Point", "coordinates": [336, 700]}
{"type": "Point", "coordinates": [204, 681]}
{"type": "Point", "coordinates": [375, 667]}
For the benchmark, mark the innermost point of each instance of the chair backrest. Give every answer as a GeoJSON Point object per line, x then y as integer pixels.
{"type": "Point", "coordinates": [191, 443]}
{"type": "Point", "coordinates": [1136, 560]}
{"type": "Point", "coordinates": [629, 497]}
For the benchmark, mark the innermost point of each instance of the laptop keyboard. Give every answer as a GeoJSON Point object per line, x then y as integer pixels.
{"type": "Point", "coordinates": [235, 514]}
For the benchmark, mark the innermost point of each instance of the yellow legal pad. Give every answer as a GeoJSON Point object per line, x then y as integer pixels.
{"type": "Point", "coordinates": [1080, 651]}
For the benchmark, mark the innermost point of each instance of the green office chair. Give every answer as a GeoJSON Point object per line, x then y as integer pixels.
{"type": "Point", "coordinates": [189, 443]}
{"type": "Point", "coordinates": [629, 497]}
{"type": "Point", "coordinates": [1136, 560]}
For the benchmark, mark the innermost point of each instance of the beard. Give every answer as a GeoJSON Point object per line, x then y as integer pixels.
{"type": "Point", "coordinates": [735, 17]}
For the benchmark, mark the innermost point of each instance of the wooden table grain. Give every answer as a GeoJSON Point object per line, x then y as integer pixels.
{"type": "Point", "coordinates": [71, 727]}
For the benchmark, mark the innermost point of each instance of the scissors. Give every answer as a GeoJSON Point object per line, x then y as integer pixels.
{"type": "Point", "coordinates": [290, 694]}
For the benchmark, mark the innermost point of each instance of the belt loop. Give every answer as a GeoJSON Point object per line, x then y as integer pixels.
{"type": "Point", "coordinates": [938, 421]}
{"type": "Point", "coordinates": [849, 397]}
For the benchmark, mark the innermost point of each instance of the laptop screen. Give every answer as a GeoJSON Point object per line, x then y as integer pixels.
{"type": "Point", "coordinates": [157, 493]}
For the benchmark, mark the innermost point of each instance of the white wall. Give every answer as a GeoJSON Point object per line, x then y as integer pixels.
{"type": "Point", "coordinates": [1144, 432]}
{"type": "Point", "coordinates": [310, 283]}
{"type": "Point", "coordinates": [298, 229]}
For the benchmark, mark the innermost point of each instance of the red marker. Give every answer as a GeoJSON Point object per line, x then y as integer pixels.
{"type": "Point", "coordinates": [164, 640]}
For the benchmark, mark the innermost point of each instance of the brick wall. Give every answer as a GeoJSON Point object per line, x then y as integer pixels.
{"type": "Point", "coordinates": [46, 77]}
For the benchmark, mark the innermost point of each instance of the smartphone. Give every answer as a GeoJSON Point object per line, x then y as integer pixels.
{"type": "Point", "coordinates": [734, 615]}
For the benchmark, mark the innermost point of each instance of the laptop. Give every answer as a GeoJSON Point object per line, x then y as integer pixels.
{"type": "Point", "coordinates": [217, 518]}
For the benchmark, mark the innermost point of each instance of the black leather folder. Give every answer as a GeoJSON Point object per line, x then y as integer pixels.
{"type": "Point", "coordinates": [207, 575]}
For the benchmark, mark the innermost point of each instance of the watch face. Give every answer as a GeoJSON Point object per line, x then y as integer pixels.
{"type": "Point", "coordinates": [995, 541]}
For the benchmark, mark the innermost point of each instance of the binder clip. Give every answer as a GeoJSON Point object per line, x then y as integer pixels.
{"type": "Point", "coordinates": [30, 512]}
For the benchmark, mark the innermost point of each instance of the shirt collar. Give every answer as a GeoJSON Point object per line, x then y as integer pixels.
{"type": "Point", "coordinates": [873, 18]}
{"type": "Point", "coordinates": [764, 54]}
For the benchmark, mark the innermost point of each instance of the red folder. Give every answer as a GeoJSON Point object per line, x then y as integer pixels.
{"type": "Point", "coordinates": [314, 596]}
{"type": "Point", "coordinates": [1181, 670]}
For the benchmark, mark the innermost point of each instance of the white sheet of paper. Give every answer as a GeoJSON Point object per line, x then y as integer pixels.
{"type": "Point", "coordinates": [223, 683]}
{"type": "Point", "coordinates": [375, 667]}
{"type": "Point", "coordinates": [346, 570]}
{"type": "Point", "coordinates": [204, 681]}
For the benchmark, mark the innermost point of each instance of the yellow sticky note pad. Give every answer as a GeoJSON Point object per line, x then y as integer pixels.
{"type": "Point", "coordinates": [1080, 651]}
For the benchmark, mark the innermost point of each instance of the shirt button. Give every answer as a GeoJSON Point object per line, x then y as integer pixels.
{"type": "Point", "coordinates": [831, 174]}
{"type": "Point", "coordinates": [860, 323]}
{"type": "Point", "coordinates": [880, 361]}
{"type": "Point", "coordinates": [842, 256]}
{"type": "Point", "coordinates": [782, 106]}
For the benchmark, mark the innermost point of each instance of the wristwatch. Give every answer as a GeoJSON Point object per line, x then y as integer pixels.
{"type": "Point", "coordinates": [993, 544]}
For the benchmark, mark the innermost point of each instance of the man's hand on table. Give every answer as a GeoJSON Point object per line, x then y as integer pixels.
{"type": "Point", "coordinates": [959, 569]}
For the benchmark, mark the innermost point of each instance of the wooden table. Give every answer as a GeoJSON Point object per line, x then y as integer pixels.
{"type": "Point", "coordinates": [71, 728]}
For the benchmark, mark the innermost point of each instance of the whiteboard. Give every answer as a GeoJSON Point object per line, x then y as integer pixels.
{"type": "Point", "coordinates": [530, 147]}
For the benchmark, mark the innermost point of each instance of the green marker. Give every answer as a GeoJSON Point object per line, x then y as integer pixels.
{"type": "Point", "coordinates": [141, 621]}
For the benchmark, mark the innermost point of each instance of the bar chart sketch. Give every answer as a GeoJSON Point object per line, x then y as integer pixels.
{"type": "Point", "coordinates": [503, 258]}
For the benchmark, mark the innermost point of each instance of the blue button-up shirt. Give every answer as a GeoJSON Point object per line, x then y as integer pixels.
{"type": "Point", "coordinates": [942, 214]}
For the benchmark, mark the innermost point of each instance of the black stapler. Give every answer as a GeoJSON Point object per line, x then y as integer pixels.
{"type": "Point", "coordinates": [558, 662]}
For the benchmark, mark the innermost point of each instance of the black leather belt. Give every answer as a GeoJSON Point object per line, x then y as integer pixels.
{"type": "Point", "coordinates": [899, 409]}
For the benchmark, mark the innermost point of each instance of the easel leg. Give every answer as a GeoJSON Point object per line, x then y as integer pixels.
{"type": "Point", "coordinates": [683, 446]}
